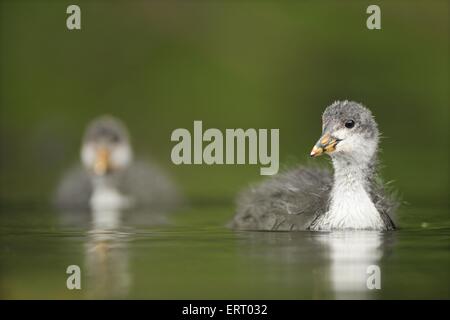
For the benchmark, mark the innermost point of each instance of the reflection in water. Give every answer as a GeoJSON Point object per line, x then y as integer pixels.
{"type": "Point", "coordinates": [106, 250]}
{"type": "Point", "coordinates": [330, 264]}
{"type": "Point", "coordinates": [106, 257]}
{"type": "Point", "coordinates": [350, 254]}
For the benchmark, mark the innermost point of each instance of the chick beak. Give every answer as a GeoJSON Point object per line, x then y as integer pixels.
{"type": "Point", "coordinates": [102, 162]}
{"type": "Point", "coordinates": [326, 144]}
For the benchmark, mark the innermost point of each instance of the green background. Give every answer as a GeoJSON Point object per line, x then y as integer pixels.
{"type": "Point", "coordinates": [243, 64]}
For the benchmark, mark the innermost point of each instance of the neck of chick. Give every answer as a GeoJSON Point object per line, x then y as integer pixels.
{"type": "Point", "coordinates": [106, 196]}
{"type": "Point", "coordinates": [351, 206]}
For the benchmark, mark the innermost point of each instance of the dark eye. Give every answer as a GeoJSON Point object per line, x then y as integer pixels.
{"type": "Point", "coordinates": [349, 124]}
{"type": "Point", "coordinates": [115, 138]}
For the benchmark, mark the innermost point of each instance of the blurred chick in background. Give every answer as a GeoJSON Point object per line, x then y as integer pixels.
{"type": "Point", "coordinates": [109, 178]}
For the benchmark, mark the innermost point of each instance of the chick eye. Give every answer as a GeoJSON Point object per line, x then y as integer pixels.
{"type": "Point", "coordinates": [114, 138]}
{"type": "Point", "coordinates": [349, 124]}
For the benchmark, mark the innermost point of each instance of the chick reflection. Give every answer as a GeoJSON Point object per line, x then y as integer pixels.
{"type": "Point", "coordinates": [350, 254]}
{"type": "Point", "coordinates": [331, 265]}
{"type": "Point", "coordinates": [106, 257]}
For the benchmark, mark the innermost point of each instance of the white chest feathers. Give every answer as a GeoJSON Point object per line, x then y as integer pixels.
{"type": "Point", "coordinates": [350, 208]}
{"type": "Point", "coordinates": [106, 198]}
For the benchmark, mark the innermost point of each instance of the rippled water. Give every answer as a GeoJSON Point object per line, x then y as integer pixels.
{"type": "Point", "coordinates": [190, 254]}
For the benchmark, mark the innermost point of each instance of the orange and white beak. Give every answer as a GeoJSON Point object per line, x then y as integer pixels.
{"type": "Point", "coordinates": [102, 161]}
{"type": "Point", "coordinates": [326, 143]}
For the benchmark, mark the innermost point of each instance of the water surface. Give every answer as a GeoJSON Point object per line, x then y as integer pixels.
{"type": "Point", "coordinates": [191, 254]}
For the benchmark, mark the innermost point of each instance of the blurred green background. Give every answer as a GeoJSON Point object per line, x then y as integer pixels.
{"type": "Point", "coordinates": [161, 65]}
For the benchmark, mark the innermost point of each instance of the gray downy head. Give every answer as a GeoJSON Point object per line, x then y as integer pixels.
{"type": "Point", "coordinates": [106, 147]}
{"type": "Point", "coordinates": [349, 132]}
